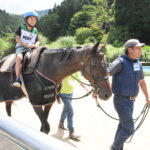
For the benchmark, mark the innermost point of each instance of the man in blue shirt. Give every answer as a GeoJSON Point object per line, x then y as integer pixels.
{"type": "Point", "coordinates": [127, 75]}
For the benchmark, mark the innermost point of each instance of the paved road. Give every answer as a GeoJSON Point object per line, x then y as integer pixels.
{"type": "Point", "coordinates": [6, 144]}
{"type": "Point", "coordinates": [96, 129]}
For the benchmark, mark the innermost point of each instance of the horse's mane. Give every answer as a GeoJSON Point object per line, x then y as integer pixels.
{"type": "Point", "coordinates": [64, 53]}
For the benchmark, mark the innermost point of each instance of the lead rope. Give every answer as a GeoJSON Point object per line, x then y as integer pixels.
{"type": "Point", "coordinates": [98, 105]}
{"type": "Point", "coordinates": [145, 112]}
{"type": "Point", "coordinates": [142, 115]}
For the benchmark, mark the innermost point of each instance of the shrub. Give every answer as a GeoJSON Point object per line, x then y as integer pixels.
{"type": "Point", "coordinates": [3, 44]}
{"type": "Point", "coordinates": [7, 45]}
{"type": "Point", "coordinates": [113, 52]}
{"type": "Point", "coordinates": [67, 41]}
{"type": "Point", "coordinates": [96, 32]}
{"type": "Point", "coordinates": [82, 35]}
{"type": "Point", "coordinates": [146, 53]}
{"type": "Point", "coordinates": [118, 35]}
{"type": "Point", "coordinates": [43, 39]}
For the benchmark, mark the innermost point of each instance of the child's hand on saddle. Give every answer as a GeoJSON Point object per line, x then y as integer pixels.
{"type": "Point", "coordinates": [32, 46]}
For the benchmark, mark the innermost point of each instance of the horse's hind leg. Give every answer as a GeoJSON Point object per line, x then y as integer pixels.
{"type": "Point", "coordinates": [8, 107]}
{"type": "Point", "coordinates": [44, 124]}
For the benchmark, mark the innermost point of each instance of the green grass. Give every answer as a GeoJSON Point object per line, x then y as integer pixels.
{"type": "Point", "coordinates": [113, 52]}
{"type": "Point", "coordinates": [4, 45]}
{"type": "Point", "coordinates": [67, 41]}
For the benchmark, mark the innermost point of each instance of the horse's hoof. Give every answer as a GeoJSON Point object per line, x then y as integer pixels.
{"type": "Point", "coordinates": [45, 128]}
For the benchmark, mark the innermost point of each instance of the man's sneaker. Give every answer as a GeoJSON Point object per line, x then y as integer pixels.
{"type": "Point", "coordinates": [17, 83]}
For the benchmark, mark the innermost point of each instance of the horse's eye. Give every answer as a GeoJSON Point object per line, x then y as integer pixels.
{"type": "Point", "coordinates": [94, 66]}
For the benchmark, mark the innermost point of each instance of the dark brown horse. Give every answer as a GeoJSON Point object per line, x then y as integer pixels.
{"type": "Point", "coordinates": [54, 65]}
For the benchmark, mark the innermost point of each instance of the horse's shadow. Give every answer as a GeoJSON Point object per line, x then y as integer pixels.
{"type": "Point", "coordinates": [60, 136]}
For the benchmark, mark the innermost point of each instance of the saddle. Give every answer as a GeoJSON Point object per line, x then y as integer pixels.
{"type": "Point", "coordinates": [29, 63]}
{"type": "Point", "coordinates": [47, 91]}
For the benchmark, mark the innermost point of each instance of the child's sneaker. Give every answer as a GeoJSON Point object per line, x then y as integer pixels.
{"type": "Point", "coordinates": [17, 83]}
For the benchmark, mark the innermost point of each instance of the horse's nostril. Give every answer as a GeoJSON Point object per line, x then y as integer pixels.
{"type": "Point", "coordinates": [106, 95]}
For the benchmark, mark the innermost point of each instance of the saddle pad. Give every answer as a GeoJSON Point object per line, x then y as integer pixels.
{"type": "Point", "coordinates": [8, 63]}
{"type": "Point", "coordinates": [41, 91]}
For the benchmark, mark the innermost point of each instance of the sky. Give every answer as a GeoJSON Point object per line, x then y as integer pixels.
{"type": "Point", "coordinates": [22, 6]}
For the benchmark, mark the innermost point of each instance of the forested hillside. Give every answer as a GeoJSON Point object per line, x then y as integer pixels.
{"type": "Point", "coordinates": [111, 21]}
{"type": "Point", "coordinates": [131, 20]}
{"type": "Point", "coordinates": [9, 22]}
{"type": "Point", "coordinates": [42, 13]}
{"type": "Point", "coordinates": [58, 20]}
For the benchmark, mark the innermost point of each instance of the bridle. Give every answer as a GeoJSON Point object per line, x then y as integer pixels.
{"type": "Point", "coordinates": [94, 80]}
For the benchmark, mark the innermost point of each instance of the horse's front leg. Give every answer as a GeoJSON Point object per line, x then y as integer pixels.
{"type": "Point", "coordinates": [47, 109]}
{"type": "Point", "coordinates": [8, 107]}
{"type": "Point", "coordinates": [44, 124]}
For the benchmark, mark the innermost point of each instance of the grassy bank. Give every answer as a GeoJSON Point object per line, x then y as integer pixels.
{"type": "Point", "coordinates": [7, 45]}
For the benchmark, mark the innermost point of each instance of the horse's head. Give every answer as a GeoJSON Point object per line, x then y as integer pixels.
{"type": "Point", "coordinates": [94, 70]}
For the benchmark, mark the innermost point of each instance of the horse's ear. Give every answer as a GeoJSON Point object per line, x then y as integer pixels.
{"type": "Point", "coordinates": [95, 47]}
{"type": "Point", "coordinates": [103, 48]}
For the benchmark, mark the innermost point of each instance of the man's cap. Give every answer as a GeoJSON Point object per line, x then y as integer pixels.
{"type": "Point", "coordinates": [133, 42]}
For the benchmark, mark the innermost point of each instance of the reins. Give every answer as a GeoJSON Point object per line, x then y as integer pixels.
{"type": "Point", "coordinates": [80, 81]}
{"type": "Point", "coordinates": [75, 98]}
{"type": "Point", "coordinates": [57, 94]}
{"type": "Point", "coordinates": [142, 115]}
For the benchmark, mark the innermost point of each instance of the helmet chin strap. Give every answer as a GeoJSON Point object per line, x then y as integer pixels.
{"type": "Point", "coordinates": [29, 25]}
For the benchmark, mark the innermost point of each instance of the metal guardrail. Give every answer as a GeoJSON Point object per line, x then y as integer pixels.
{"type": "Point", "coordinates": [28, 138]}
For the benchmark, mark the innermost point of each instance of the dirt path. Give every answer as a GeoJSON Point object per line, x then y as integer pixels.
{"type": "Point", "coordinates": [96, 129]}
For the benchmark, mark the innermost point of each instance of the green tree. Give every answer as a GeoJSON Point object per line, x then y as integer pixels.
{"type": "Point", "coordinates": [49, 26]}
{"type": "Point", "coordinates": [81, 18]}
{"type": "Point", "coordinates": [97, 17]}
{"type": "Point", "coordinates": [83, 34]}
{"type": "Point", "coordinates": [64, 14]}
{"type": "Point", "coordinates": [134, 16]}
{"type": "Point", "coordinates": [9, 23]}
